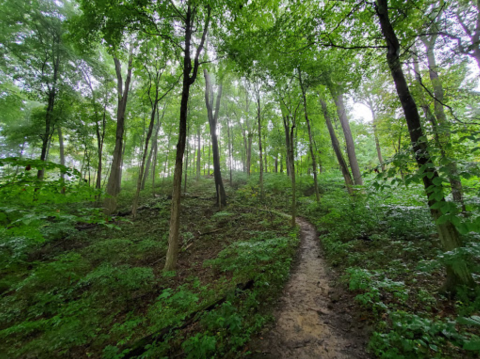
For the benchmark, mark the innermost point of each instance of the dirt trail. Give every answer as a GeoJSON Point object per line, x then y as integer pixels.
{"type": "Point", "coordinates": [311, 320]}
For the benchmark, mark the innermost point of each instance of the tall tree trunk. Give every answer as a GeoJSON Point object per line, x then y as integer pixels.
{"type": "Point", "coordinates": [208, 162]}
{"type": "Point", "coordinates": [336, 148]}
{"type": "Point", "coordinates": [375, 135]}
{"type": "Point", "coordinates": [154, 146]}
{"type": "Point", "coordinates": [249, 152]}
{"type": "Point", "coordinates": [100, 142]}
{"type": "Point", "coordinates": [212, 120]}
{"type": "Point", "coordinates": [113, 184]}
{"type": "Point", "coordinates": [120, 174]}
{"type": "Point", "coordinates": [173, 241]}
{"type": "Point", "coordinates": [266, 156]}
{"type": "Point", "coordinates": [289, 141]}
{"type": "Point", "coordinates": [166, 168]}
{"type": "Point", "coordinates": [62, 149]}
{"type": "Point", "coordinates": [230, 145]}
{"type": "Point", "coordinates": [49, 120]}
{"type": "Point", "coordinates": [244, 152]}
{"type": "Point", "coordinates": [198, 153]}
{"type": "Point", "coordinates": [459, 274]}
{"type": "Point", "coordinates": [352, 157]}
{"type": "Point", "coordinates": [186, 164]}
{"type": "Point", "coordinates": [154, 165]}
{"type": "Point", "coordinates": [310, 137]}
{"type": "Point", "coordinates": [443, 130]}
{"type": "Point", "coordinates": [259, 122]}
{"type": "Point", "coordinates": [154, 106]}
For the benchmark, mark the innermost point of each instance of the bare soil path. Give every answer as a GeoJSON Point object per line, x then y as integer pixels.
{"type": "Point", "coordinates": [311, 320]}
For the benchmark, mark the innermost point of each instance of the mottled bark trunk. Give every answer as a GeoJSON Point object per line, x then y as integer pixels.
{"type": "Point", "coordinates": [459, 274]}
{"type": "Point", "coordinates": [198, 153]}
{"type": "Point", "coordinates": [259, 123]}
{"type": "Point", "coordinates": [310, 137]}
{"type": "Point", "coordinates": [443, 130]}
{"type": "Point", "coordinates": [62, 149]}
{"type": "Point", "coordinates": [144, 155]}
{"type": "Point", "coordinates": [173, 240]}
{"type": "Point", "coordinates": [186, 166]}
{"type": "Point", "coordinates": [212, 120]}
{"type": "Point", "coordinates": [229, 151]}
{"type": "Point", "coordinates": [114, 180]}
{"type": "Point", "coordinates": [352, 157]}
{"type": "Point", "coordinates": [336, 148]}
{"type": "Point", "coordinates": [289, 127]}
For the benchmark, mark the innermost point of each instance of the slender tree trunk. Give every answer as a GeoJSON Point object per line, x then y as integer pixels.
{"type": "Point", "coordinates": [208, 162]}
{"type": "Point", "coordinates": [186, 164]}
{"type": "Point", "coordinates": [291, 163]}
{"type": "Point", "coordinates": [276, 164]}
{"type": "Point", "coordinates": [459, 274]}
{"type": "Point", "coordinates": [244, 152]}
{"type": "Point", "coordinates": [173, 240]}
{"type": "Point", "coordinates": [154, 146]}
{"type": "Point", "coordinates": [310, 137]}
{"type": "Point", "coordinates": [259, 122]}
{"type": "Point", "coordinates": [352, 157]}
{"type": "Point", "coordinates": [154, 165]}
{"type": "Point", "coordinates": [266, 156]}
{"type": "Point", "coordinates": [336, 148]}
{"type": "Point", "coordinates": [443, 130]}
{"type": "Point", "coordinates": [166, 168]}
{"type": "Point", "coordinates": [144, 155]}
{"type": "Point", "coordinates": [249, 152]}
{"type": "Point", "coordinates": [113, 184]}
{"type": "Point", "coordinates": [212, 120]}
{"type": "Point", "coordinates": [198, 154]}
{"type": "Point", "coordinates": [120, 174]}
{"type": "Point", "coordinates": [375, 135]}
{"type": "Point", "coordinates": [62, 149]}
{"type": "Point", "coordinates": [230, 144]}
{"type": "Point", "coordinates": [203, 155]}
{"type": "Point", "coordinates": [100, 141]}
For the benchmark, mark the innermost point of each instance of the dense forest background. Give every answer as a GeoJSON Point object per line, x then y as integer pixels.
{"type": "Point", "coordinates": [149, 151]}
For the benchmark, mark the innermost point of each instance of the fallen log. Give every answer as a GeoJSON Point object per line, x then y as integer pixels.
{"type": "Point", "coordinates": [138, 348]}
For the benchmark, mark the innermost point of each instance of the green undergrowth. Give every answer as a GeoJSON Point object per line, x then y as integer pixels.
{"type": "Point", "coordinates": [97, 291]}
{"type": "Point", "coordinates": [384, 246]}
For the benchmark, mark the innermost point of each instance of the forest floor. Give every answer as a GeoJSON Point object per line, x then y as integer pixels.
{"type": "Point", "coordinates": [311, 320]}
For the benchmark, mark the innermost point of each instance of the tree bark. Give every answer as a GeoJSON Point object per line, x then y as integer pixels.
{"type": "Point", "coordinates": [336, 148]}
{"type": "Point", "coordinates": [49, 120]}
{"type": "Point", "coordinates": [310, 137]}
{"type": "Point", "coordinates": [62, 149]}
{"type": "Point", "coordinates": [443, 130]}
{"type": "Point", "coordinates": [352, 157]}
{"type": "Point", "coordinates": [173, 240]}
{"type": "Point", "coordinates": [154, 148]}
{"type": "Point", "coordinates": [198, 153]}
{"type": "Point", "coordinates": [449, 237]}
{"type": "Point", "coordinates": [140, 180]}
{"type": "Point", "coordinates": [212, 120]}
{"type": "Point", "coordinates": [113, 184]}
{"type": "Point", "coordinates": [230, 145]}
{"type": "Point", "coordinates": [375, 134]}
{"type": "Point", "coordinates": [289, 127]}
{"type": "Point", "coordinates": [186, 164]}
{"type": "Point", "coordinates": [259, 119]}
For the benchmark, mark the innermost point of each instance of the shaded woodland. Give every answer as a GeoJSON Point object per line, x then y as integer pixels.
{"type": "Point", "coordinates": [156, 156]}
